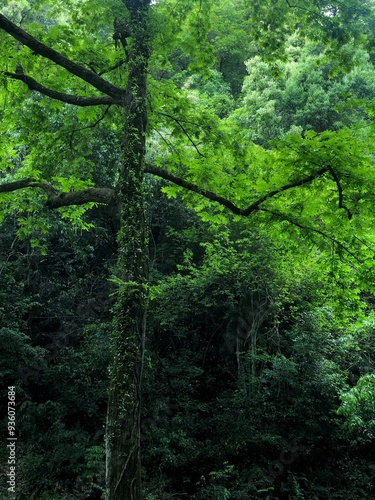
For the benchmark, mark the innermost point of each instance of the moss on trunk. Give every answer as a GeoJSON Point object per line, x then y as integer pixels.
{"type": "Point", "coordinates": [123, 421]}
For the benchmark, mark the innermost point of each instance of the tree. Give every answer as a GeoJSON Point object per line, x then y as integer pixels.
{"type": "Point", "coordinates": [123, 453]}
{"type": "Point", "coordinates": [189, 153]}
{"type": "Point", "coordinates": [305, 93]}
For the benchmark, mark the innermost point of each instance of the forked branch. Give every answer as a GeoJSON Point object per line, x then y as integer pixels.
{"type": "Point", "coordinates": [164, 174]}
{"type": "Point", "coordinates": [75, 69]}
{"type": "Point", "coordinates": [256, 206]}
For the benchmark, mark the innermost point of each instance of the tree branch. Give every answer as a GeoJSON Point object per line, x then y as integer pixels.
{"type": "Point", "coordinates": [112, 68]}
{"type": "Point", "coordinates": [302, 8]}
{"type": "Point", "coordinates": [27, 183]}
{"type": "Point", "coordinates": [107, 196]}
{"type": "Point", "coordinates": [92, 125]}
{"type": "Point", "coordinates": [184, 131]}
{"type": "Point", "coordinates": [223, 201]}
{"type": "Point", "coordinates": [286, 187]}
{"type": "Point", "coordinates": [340, 191]}
{"type": "Point", "coordinates": [58, 199]}
{"type": "Point", "coordinates": [75, 69]}
{"type": "Point", "coordinates": [164, 174]}
{"type": "Point", "coordinates": [60, 96]}
{"type": "Point", "coordinates": [254, 206]}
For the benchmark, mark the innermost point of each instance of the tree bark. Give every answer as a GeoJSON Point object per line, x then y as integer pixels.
{"type": "Point", "coordinates": [123, 417]}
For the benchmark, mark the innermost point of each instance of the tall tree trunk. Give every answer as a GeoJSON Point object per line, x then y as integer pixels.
{"type": "Point", "coordinates": [123, 419]}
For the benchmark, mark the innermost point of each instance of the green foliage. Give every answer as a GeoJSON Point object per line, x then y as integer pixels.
{"type": "Point", "coordinates": [304, 95]}
{"type": "Point", "coordinates": [357, 406]}
{"type": "Point", "coordinates": [258, 403]}
{"type": "Point", "coordinates": [54, 334]}
{"type": "Point", "coordinates": [182, 25]}
{"type": "Point", "coordinates": [335, 23]}
{"type": "Point", "coordinates": [259, 375]}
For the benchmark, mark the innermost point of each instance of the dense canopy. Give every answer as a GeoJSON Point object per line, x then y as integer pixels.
{"type": "Point", "coordinates": [187, 249]}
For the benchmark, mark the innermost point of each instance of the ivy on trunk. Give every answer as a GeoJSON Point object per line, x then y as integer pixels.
{"type": "Point", "coordinates": [298, 163]}
{"type": "Point", "coordinates": [123, 419]}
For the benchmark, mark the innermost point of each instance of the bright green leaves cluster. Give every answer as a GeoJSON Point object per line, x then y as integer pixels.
{"type": "Point", "coordinates": [74, 214]}
{"type": "Point", "coordinates": [197, 130]}
{"type": "Point", "coordinates": [216, 155]}
{"type": "Point", "coordinates": [45, 139]}
{"type": "Point", "coordinates": [184, 129]}
{"type": "Point", "coordinates": [333, 208]}
{"type": "Point", "coordinates": [34, 227]}
{"type": "Point", "coordinates": [303, 94]}
{"type": "Point", "coordinates": [183, 26]}
{"type": "Point", "coordinates": [269, 24]}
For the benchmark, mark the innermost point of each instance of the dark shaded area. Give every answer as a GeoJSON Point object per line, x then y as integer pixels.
{"type": "Point", "coordinates": [241, 390]}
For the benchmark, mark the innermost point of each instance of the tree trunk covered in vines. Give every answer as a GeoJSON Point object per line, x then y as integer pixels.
{"type": "Point", "coordinates": [123, 419]}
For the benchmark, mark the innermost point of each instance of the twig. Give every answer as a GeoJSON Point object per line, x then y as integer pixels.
{"type": "Point", "coordinates": [312, 229]}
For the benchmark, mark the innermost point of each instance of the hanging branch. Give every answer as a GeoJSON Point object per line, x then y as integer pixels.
{"type": "Point", "coordinates": [112, 68]}
{"type": "Point", "coordinates": [195, 146]}
{"type": "Point", "coordinates": [340, 192]}
{"type": "Point", "coordinates": [168, 143]}
{"type": "Point", "coordinates": [92, 125]}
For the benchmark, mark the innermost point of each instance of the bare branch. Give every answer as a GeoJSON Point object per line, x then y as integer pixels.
{"type": "Point", "coordinates": [27, 183]}
{"type": "Point", "coordinates": [60, 96]}
{"type": "Point", "coordinates": [75, 69]}
{"type": "Point", "coordinates": [58, 199]}
{"type": "Point", "coordinates": [107, 196]}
